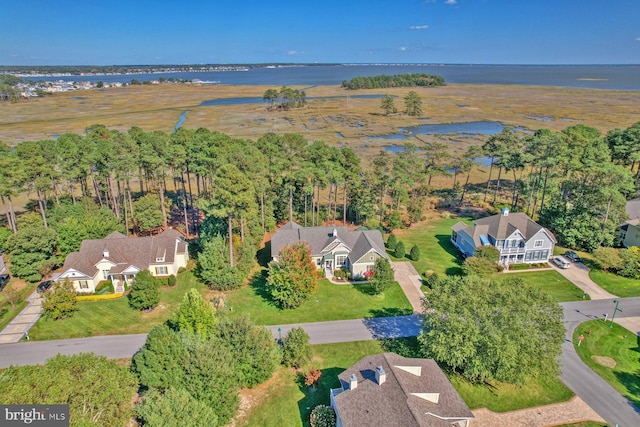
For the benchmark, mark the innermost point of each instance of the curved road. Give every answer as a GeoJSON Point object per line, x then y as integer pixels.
{"type": "Point", "coordinates": [603, 398]}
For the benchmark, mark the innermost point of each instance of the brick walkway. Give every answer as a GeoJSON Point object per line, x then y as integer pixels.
{"type": "Point", "coordinates": [571, 411]}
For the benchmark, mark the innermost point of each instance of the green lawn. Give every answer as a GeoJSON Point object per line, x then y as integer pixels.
{"type": "Point", "coordinates": [616, 285]}
{"type": "Point", "coordinates": [561, 289]}
{"type": "Point", "coordinates": [332, 302]}
{"type": "Point", "coordinates": [620, 346]}
{"type": "Point", "coordinates": [113, 317]}
{"type": "Point", "coordinates": [433, 237]}
{"type": "Point", "coordinates": [294, 400]}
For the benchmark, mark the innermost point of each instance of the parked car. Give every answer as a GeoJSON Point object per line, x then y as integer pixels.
{"type": "Point", "coordinates": [572, 256]}
{"type": "Point", "coordinates": [561, 262]}
{"type": "Point", "coordinates": [43, 286]}
{"type": "Point", "coordinates": [4, 279]}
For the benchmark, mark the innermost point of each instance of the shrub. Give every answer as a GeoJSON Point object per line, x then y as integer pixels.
{"type": "Point", "coordinates": [414, 254]}
{"type": "Point", "coordinates": [60, 301]}
{"type": "Point", "coordinates": [382, 276]}
{"type": "Point", "coordinates": [608, 258]}
{"type": "Point", "coordinates": [400, 250]}
{"type": "Point", "coordinates": [295, 348]}
{"type": "Point", "coordinates": [431, 278]}
{"type": "Point", "coordinates": [322, 416]}
{"type": "Point", "coordinates": [477, 266]}
{"type": "Point", "coordinates": [392, 241]}
{"type": "Point", "coordinates": [174, 407]}
{"type": "Point", "coordinates": [488, 252]}
{"type": "Point", "coordinates": [144, 293]}
{"type": "Point", "coordinates": [104, 287]}
{"type": "Point", "coordinates": [171, 280]}
{"type": "Point", "coordinates": [181, 270]}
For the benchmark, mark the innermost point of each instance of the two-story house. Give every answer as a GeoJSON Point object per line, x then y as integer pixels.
{"type": "Point", "coordinates": [119, 258]}
{"type": "Point", "coordinates": [518, 238]}
{"type": "Point", "coordinates": [334, 248]}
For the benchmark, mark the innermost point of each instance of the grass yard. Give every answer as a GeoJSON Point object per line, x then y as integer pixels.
{"type": "Point", "coordinates": [433, 237]}
{"type": "Point", "coordinates": [502, 397]}
{"type": "Point", "coordinates": [113, 317]}
{"type": "Point", "coordinates": [332, 302]}
{"type": "Point", "coordinates": [294, 401]}
{"type": "Point", "coordinates": [613, 353]}
{"type": "Point", "coordinates": [616, 285]}
{"type": "Point", "coordinates": [561, 289]}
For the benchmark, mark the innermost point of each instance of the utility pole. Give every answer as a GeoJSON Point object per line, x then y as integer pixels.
{"type": "Point", "coordinates": [613, 316]}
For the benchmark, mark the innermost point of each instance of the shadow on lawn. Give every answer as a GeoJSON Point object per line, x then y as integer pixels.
{"type": "Point", "coordinates": [632, 382]}
{"type": "Point", "coordinates": [319, 395]}
{"type": "Point", "coordinates": [258, 283]}
{"type": "Point", "coordinates": [444, 240]}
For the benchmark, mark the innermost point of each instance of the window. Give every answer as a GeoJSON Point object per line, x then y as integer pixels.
{"type": "Point", "coordinates": [371, 258]}
{"type": "Point", "coordinates": [84, 284]}
{"type": "Point", "coordinates": [105, 274]}
{"type": "Point", "coordinates": [538, 243]}
{"type": "Point", "coordinates": [340, 260]}
{"type": "Point", "coordinates": [319, 262]}
{"type": "Point", "coordinates": [161, 271]}
{"type": "Point", "coordinates": [545, 255]}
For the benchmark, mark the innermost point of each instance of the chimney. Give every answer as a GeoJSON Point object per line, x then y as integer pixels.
{"type": "Point", "coordinates": [105, 252]}
{"type": "Point", "coordinates": [335, 232]}
{"type": "Point", "coordinates": [381, 376]}
{"type": "Point", "coordinates": [505, 211]}
{"type": "Point", "coordinates": [353, 382]}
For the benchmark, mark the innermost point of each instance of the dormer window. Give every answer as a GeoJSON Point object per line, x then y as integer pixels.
{"type": "Point", "coordinates": [160, 253]}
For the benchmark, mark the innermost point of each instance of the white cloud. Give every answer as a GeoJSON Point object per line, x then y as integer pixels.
{"type": "Point", "coordinates": [292, 52]}
{"type": "Point", "coordinates": [638, 39]}
{"type": "Point", "coordinates": [451, 2]}
{"type": "Point", "coordinates": [418, 27]}
{"type": "Point", "coordinates": [402, 48]}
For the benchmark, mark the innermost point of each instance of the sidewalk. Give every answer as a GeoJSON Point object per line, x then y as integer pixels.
{"type": "Point", "coordinates": [20, 325]}
{"type": "Point", "coordinates": [571, 411]}
{"type": "Point", "coordinates": [410, 282]}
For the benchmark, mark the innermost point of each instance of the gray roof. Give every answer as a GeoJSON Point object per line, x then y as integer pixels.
{"type": "Point", "coordinates": [320, 239]}
{"type": "Point", "coordinates": [633, 208]}
{"type": "Point", "coordinates": [501, 226]}
{"type": "Point", "coordinates": [397, 401]}
{"type": "Point", "coordinates": [125, 251]}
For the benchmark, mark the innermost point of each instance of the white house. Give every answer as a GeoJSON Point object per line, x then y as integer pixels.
{"type": "Point", "coordinates": [518, 238]}
{"type": "Point", "coordinates": [119, 258]}
{"type": "Point", "coordinates": [334, 248]}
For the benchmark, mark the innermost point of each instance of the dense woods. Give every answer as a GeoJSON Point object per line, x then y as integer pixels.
{"type": "Point", "coordinates": [398, 80]}
{"type": "Point", "coordinates": [207, 183]}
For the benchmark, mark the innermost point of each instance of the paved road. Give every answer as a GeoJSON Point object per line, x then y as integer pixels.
{"type": "Point", "coordinates": [596, 392]}
{"type": "Point", "coordinates": [605, 400]}
{"type": "Point", "coordinates": [121, 346]}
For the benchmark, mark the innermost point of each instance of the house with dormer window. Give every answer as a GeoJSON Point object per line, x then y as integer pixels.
{"type": "Point", "coordinates": [519, 239]}
{"type": "Point", "coordinates": [391, 390]}
{"type": "Point", "coordinates": [334, 248]}
{"type": "Point", "coordinates": [119, 258]}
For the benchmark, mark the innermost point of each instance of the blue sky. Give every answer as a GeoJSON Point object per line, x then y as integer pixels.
{"type": "Point", "coordinates": [117, 32]}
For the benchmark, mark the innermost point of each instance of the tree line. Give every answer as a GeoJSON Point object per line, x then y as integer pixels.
{"type": "Point", "coordinates": [398, 80]}
{"type": "Point", "coordinates": [575, 182]}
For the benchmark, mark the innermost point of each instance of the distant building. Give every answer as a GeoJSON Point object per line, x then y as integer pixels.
{"type": "Point", "coordinates": [334, 247]}
{"type": "Point", "coordinates": [518, 238]}
{"type": "Point", "coordinates": [394, 391]}
{"type": "Point", "coordinates": [119, 258]}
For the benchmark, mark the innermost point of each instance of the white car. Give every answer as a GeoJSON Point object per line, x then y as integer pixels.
{"type": "Point", "coordinates": [561, 262]}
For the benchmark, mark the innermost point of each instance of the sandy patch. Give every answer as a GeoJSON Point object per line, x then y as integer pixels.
{"type": "Point", "coordinates": [605, 361]}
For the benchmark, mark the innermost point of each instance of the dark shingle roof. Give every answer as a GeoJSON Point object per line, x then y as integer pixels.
{"type": "Point", "coordinates": [320, 239]}
{"type": "Point", "coordinates": [502, 226]}
{"type": "Point", "coordinates": [124, 251]}
{"type": "Point", "coordinates": [400, 400]}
